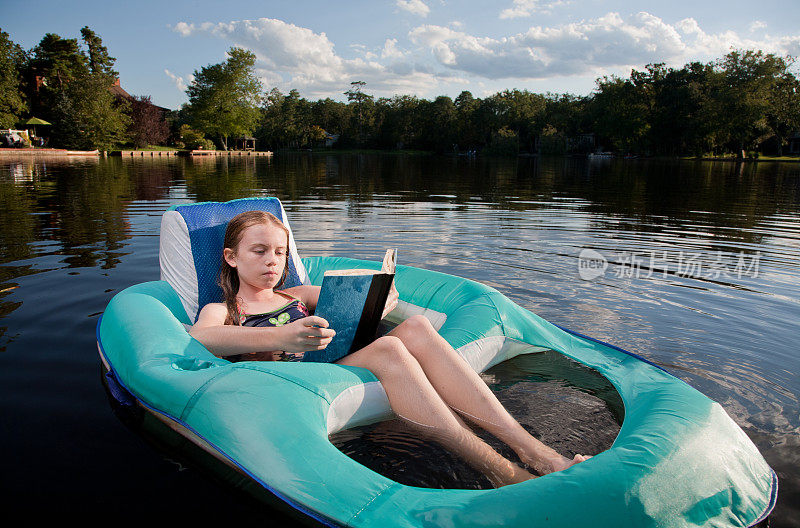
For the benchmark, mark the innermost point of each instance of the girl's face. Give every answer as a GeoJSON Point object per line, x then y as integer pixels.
{"type": "Point", "coordinates": [260, 257]}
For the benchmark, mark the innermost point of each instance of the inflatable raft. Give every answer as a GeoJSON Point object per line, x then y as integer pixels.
{"type": "Point", "coordinates": [679, 459]}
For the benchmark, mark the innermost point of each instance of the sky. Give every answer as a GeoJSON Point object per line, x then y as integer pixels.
{"type": "Point", "coordinates": [425, 48]}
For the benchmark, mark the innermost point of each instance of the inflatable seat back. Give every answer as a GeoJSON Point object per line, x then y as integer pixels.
{"type": "Point", "coordinates": [190, 249]}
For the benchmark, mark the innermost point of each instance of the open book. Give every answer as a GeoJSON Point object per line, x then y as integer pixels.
{"type": "Point", "coordinates": [352, 301]}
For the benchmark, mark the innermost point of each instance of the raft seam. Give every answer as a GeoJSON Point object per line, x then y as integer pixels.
{"type": "Point", "coordinates": [499, 315]}
{"type": "Point", "coordinates": [199, 392]}
{"type": "Point", "coordinates": [290, 379]}
{"type": "Point", "coordinates": [384, 490]}
{"type": "Point", "coordinates": [516, 340]}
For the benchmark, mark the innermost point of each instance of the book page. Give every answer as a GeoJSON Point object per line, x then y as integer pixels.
{"type": "Point", "coordinates": [339, 273]}
{"type": "Point", "coordinates": [389, 261]}
{"type": "Point", "coordinates": [389, 265]}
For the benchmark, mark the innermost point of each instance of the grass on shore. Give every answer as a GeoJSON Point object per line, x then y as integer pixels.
{"type": "Point", "coordinates": [148, 148]}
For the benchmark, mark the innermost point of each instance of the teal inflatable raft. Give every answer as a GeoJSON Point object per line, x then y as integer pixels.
{"type": "Point", "coordinates": [679, 459]}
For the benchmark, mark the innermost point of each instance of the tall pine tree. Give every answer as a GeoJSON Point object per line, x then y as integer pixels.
{"type": "Point", "coordinates": [75, 94]}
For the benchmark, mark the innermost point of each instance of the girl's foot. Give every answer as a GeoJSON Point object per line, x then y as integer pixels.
{"type": "Point", "coordinates": [551, 464]}
{"type": "Point", "coordinates": [515, 476]}
{"type": "Point", "coordinates": [562, 463]}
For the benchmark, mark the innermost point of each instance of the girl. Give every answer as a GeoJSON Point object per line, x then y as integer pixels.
{"type": "Point", "coordinates": [424, 378]}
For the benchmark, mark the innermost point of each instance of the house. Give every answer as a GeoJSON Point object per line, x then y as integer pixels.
{"type": "Point", "coordinates": [120, 93]}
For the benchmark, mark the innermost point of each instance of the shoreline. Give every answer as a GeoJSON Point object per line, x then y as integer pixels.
{"type": "Point", "coordinates": [33, 152]}
{"type": "Point", "coordinates": [26, 152]}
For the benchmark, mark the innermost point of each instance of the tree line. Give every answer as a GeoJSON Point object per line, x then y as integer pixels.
{"type": "Point", "coordinates": [67, 83]}
{"type": "Point", "coordinates": [746, 101]}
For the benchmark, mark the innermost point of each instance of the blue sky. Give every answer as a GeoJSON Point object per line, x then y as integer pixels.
{"type": "Point", "coordinates": [421, 47]}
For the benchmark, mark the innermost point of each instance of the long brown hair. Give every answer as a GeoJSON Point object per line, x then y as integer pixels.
{"type": "Point", "coordinates": [228, 277]}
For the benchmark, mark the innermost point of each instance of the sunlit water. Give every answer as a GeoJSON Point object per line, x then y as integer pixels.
{"type": "Point", "coordinates": [702, 277]}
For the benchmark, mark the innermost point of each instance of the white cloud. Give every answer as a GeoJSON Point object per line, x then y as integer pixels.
{"type": "Point", "coordinates": [391, 51]}
{"type": "Point", "coordinates": [417, 7]}
{"type": "Point", "coordinates": [433, 56]}
{"type": "Point", "coordinates": [700, 43]}
{"type": "Point", "coordinates": [585, 47]}
{"type": "Point", "coordinates": [526, 8]}
{"type": "Point", "coordinates": [179, 81]}
{"type": "Point", "coordinates": [183, 28]}
{"type": "Point", "coordinates": [756, 25]}
{"type": "Point", "coordinates": [291, 56]}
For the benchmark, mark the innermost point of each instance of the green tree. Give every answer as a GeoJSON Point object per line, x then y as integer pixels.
{"type": "Point", "coordinates": [438, 126]}
{"type": "Point", "coordinates": [783, 116]}
{"type": "Point", "coordinates": [399, 122]}
{"type": "Point", "coordinates": [468, 136]}
{"type": "Point", "coordinates": [86, 115]}
{"type": "Point", "coordinates": [224, 98]}
{"type": "Point", "coordinates": [193, 139]}
{"type": "Point", "coordinates": [330, 115]}
{"type": "Point", "coordinates": [58, 61]}
{"type": "Point", "coordinates": [505, 142]}
{"type": "Point", "coordinates": [293, 121]}
{"type": "Point", "coordinates": [684, 110]}
{"type": "Point", "coordinates": [75, 98]}
{"type": "Point", "coordinates": [620, 109]}
{"type": "Point", "coordinates": [566, 125]}
{"type": "Point", "coordinates": [751, 80]}
{"type": "Point", "coordinates": [13, 60]}
{"type": "Point", "coordinates": [362, 102]}
{"type": "Point", "coordinates": [520, 111]}
{"type": "Point", "coordinates": [99, 60]}
{"type": "Point", "coordinates": [271, 120]}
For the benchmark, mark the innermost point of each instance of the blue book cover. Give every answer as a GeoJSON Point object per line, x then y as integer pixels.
{"type": "Point", "coordinates": [352, 301]}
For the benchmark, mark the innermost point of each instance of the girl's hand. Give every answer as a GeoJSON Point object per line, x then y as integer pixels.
{"type": "Point", "coordinates": [391, 301]}
{"type": "Point", "coordinates": [308, 333]}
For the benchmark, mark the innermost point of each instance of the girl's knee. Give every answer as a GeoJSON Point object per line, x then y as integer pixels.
{"type": "Point", "coordinates": [414, 328]}
{"type": "Point", "coordinates": [392, 354]}
{"type": "Point", "coordinates": [391, 347]}
{"type": "Point", "coordinates": [419, 323]}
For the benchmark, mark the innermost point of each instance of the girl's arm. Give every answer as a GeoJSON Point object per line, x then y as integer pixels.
{"type": "Point", "coordinates": [308, 333]}
{"type": "Point", "coordinates": [308, 294]}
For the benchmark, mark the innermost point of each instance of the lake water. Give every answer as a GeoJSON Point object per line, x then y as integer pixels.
{"type": "Point", "coordinates": [701, 276]}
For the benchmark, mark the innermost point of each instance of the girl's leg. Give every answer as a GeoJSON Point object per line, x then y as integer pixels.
{"type": "Point", "coordinates": [464, 390]}
{"type": "Point", "coordinates": [414, 399]}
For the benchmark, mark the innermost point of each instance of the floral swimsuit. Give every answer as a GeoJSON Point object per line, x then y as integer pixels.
{"type": "Point", "coordinates": [291, 311]}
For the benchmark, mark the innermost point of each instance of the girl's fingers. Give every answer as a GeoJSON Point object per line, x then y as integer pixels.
{"type": "Point", "coordinates": [313, 321]}
{"type": "Point", "coordinates": [318, 341]}
{"type": "Point", "coordinates": [313, 331]}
